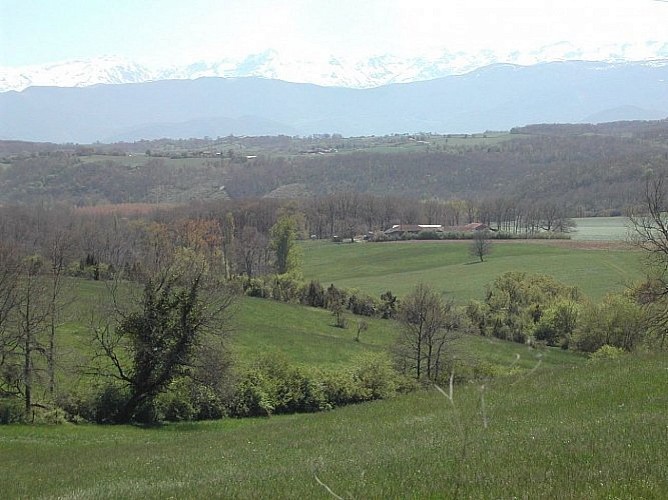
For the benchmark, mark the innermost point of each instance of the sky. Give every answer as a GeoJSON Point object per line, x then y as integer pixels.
{"type": "Point", "coordinates": [162, 32]}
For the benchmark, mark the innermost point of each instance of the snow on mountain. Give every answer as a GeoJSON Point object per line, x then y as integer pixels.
{"type": "Point", "coordinates": [108, 69]}
{"type": "Point", "coordinates": [325, 71]}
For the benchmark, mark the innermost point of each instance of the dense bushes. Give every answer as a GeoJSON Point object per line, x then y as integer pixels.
{"type": "Point", "coordinates": [273, 386]}
{"type": "Point", "coordinates": [470, 235]}
{"type": "Point", "coordinates": [617, 322]}
{"type": "Point", "coordinates": [288, 288]}
{"type": "Point", "coordinates": [528, 308]}
{"type": "Point", "coordinates": [518, 305]}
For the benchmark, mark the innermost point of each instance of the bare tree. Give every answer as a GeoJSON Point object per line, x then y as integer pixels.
{"type": "Point", "coordinates": [649, 227]}
{"type": "Point", "coordinates": [58, 246]}
{"type": "Point", "coordinates": [481, 245]}
{"type": "Point", "coordinates": [32, 316]}
{"type": "Point", "coordinates": [9, 275]}
{"type": "Point", "coordinates": [427, 324]}
{"type": "Point", "coordinates": [251, 250]}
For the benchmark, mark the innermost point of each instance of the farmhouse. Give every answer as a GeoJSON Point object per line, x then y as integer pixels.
{"type": "Point", "coordinates": [473, 226]}
{"type": "Point", "coordinates": [401, 229]}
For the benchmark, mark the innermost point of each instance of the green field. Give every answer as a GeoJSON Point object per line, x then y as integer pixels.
{"type": "Point", "coordinates": [594, 431]}
{"type": "Point", "coordinates": [447, 265]}
{"type": "Point", "coordinates": [601, 229]}
{"type": "Point", "coordinates": [307, 336]}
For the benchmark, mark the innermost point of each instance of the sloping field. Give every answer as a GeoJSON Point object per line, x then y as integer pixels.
{"type": "Point", "coordinates": [307, 336]}
{"type": "Point", "coordinates": [593, 431]}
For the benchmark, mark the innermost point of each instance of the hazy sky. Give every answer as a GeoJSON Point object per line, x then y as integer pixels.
{"type": "Point", "coordinates": [177, 31]}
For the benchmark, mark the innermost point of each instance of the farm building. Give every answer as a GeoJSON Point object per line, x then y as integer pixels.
{"type": "Point", "coordinates": [402, 229]}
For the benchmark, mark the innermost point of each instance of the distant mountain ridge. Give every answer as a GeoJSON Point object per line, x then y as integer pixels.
{"type": "Point", "coordinates": [496, 97]}
{"type": "Point", "coordinates": [326, 70]}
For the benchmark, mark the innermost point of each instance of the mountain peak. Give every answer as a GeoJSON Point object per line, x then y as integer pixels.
{"type": "Point", "coordinates": [325, 70]}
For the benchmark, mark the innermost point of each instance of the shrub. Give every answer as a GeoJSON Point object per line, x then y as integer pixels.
{"type": "Point", "coordinates": [11, 410]}
{"type": "Point", "coordinates": [104, 405]}
{"type": "Point", "coordinates": [476, 314]}
{"type": "Point", "coordinates": [340, 388]}
{"type": "Point", "coordinates": [285, 288]}
{"type": "Point", "coordinates": [273, 386]}
{"type": "Point", "coordinates": [606, 352]}
{"type": "Point", "coordinates": [251, 398]}
{"type": "Point", "coordinates": [256, 287]}
{"type": "Point", "coordinates": [617, 322]}
{"type": "Point", "coordinates": [313, 294]}
{"type": "Point", "coordinates": [428, 235]}
{"type": "Point", "coordinates": [53, 416]}
{"type": "Point", "coordinates": [188, 399]}
{"type": "Point", "coordinates": [362, 305]}
{"type": "Point", "coordinates": [175, 405]}
{"type": "Point", "coordinates": [558, 323]}
{"type": "Point", "coordinates": [376, 377]}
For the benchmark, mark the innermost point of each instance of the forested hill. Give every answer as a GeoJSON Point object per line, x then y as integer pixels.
{"type": "Point", "coordinates": [588, 169]}
{"type": "Point", "coordinates": [655, 130]}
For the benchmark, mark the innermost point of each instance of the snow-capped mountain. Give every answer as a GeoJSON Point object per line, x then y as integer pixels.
{"type": "Point", "coordinates": [330, 71]}
{"type": "Point", "coordinates": [496, 97]}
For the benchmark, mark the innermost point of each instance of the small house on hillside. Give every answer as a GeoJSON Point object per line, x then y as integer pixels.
{"type": "Point", "coordinates": [399, 230]}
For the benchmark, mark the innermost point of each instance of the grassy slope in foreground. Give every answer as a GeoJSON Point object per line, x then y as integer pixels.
{"type": "Point", "coordinates": [594, 431]}
{"type": "Point", "coordinates": [397, 266]}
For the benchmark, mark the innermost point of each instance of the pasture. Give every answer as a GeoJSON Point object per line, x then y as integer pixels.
{"type": "Point", "coordinates": [601, 229]}
{"type": "Point", "coordinates": [377, 267]}
{"type": "Point", "coordinates": [307, 336]}
{"type": "Point", "coordinates": [592, 431]}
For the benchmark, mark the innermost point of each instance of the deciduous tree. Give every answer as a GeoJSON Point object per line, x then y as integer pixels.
{"type": "Point", "coordinates": [649, 224]}
{"type": "Point", "coordinates": [481, 245]}
{"type": "Point", "coordinates": [284, 244]}
{"type": "Point", "coordinates": [149, 347]}
{"type": "Point", "coordinates": [427, 323]}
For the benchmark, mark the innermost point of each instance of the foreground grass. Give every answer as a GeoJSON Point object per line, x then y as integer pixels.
{"type": "Point", "coordinates": [378, 267]}
{"type": "Point", "coordinates": [593, 431]}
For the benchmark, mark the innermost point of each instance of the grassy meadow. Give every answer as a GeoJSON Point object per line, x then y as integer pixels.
{"type": "Point", "coordinates": [591, 431]}
{"type": "Point", "coordinates": [307, 336]}
{"type": "Point", "coordinates": [601, 229]}
{"type": "Point", "coordinates": [377, 267]}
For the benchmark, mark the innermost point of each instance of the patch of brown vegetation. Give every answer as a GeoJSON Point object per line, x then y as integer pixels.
{"type": "Point", "coordinates": [125, 209]}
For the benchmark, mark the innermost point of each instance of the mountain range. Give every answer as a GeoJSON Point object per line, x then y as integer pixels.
{"type": "Point", "coordinates": [495, 97]}
{"type": "Point", "coordinates": [325, 70]}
